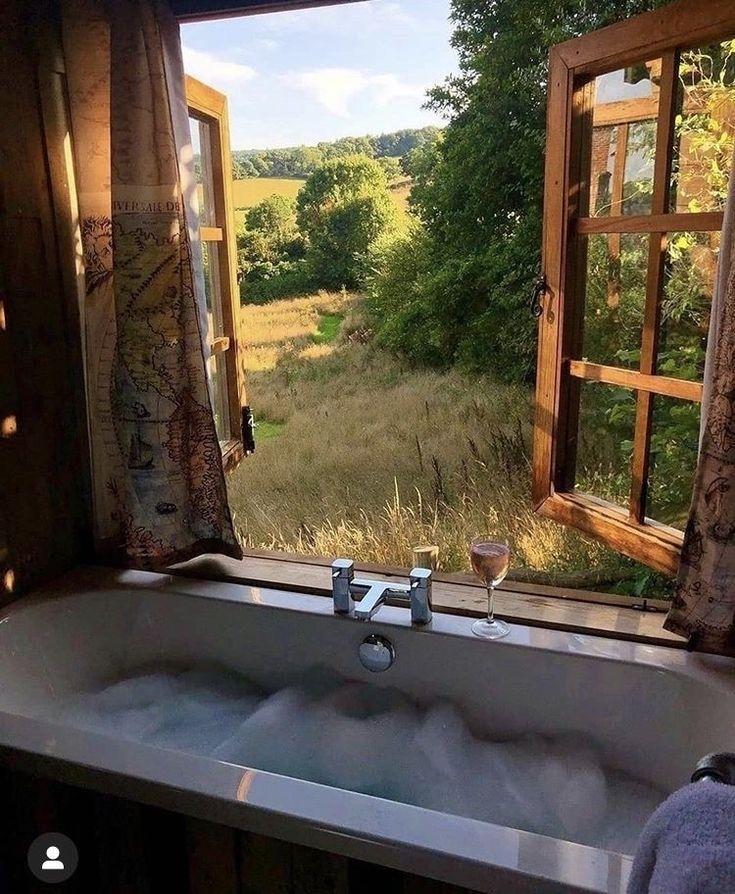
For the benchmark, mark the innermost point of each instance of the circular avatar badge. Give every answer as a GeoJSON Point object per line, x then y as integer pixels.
{"type": "Point", "coordinates": [53, 857]}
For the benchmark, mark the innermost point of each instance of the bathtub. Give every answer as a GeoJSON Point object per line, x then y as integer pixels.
{"type": "Point", "coordinates": [652, 711]}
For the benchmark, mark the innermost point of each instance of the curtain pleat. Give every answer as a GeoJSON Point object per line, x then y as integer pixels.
{"type": "Point", "coordinates": [704, 599]}
{"type": "Point", "coordinates": [159, 487]}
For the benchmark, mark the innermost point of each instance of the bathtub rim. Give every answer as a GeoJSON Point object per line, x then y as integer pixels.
{"type": "Point", "coordinates": [152, 776]}
{"type": "Point", "coordinates": [67, 753]}
{"type": "Point", "coordinates": [713, 670]}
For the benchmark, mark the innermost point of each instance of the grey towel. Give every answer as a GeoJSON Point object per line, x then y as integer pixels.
{"type": "Point", "coordinates": [688, 844]}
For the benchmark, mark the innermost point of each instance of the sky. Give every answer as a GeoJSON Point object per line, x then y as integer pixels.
{"type": "Point", "coordinates": [297, 78]}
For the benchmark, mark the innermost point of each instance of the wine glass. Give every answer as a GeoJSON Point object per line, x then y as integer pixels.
{"type": "Point", "coordinates": [490, 561]}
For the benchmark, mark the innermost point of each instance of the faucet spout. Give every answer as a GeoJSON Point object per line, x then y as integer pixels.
{"type": "Point", "coordinates": [376, 596]}
{"type": "Point", "coordinates": [416, 594]}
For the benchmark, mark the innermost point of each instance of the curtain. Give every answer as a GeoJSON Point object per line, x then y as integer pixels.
{"type": "Point", "coordinates": [704, 597]}
{"type": "Point", "coordinates": [159, 488]}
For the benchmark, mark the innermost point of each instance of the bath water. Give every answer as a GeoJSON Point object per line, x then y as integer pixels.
{"type": "Point", "coordinates": [379, 742]}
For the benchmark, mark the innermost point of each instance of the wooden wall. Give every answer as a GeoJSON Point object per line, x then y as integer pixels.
{"type": "Point", "coordinates": [44, 514]}
{"type": "Point", "coordinates": [125, 848]}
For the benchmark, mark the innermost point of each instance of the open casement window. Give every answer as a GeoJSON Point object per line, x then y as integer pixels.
{"type": "Point", "coordinates": [641, 129]}
{"type": "Point", "coordinates": [209, 125]}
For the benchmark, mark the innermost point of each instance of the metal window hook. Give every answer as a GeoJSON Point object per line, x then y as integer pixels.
{"type": "Point", "coordinates": [540, 288]}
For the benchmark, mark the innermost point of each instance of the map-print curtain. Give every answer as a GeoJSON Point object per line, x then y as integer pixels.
{"type": "Point", "coordinates": [159, 490]}
{"type": "Point", "coordinates": [704, 599]}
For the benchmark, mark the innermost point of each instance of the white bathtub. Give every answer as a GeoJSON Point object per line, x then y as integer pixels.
{"type": "Point", "coordinates": [652, 711]}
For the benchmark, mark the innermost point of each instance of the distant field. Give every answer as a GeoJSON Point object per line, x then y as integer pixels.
{"type": "Point", "coordinates": [247, 193]}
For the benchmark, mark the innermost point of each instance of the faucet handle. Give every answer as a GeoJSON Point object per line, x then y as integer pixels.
{"type": "Point", "coordinates": [343, 571]}
{"type": "Point", "coordinates": [420, 594]}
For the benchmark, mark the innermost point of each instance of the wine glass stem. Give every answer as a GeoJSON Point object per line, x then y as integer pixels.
{"type": "Point", "coordinates": [490, 604]}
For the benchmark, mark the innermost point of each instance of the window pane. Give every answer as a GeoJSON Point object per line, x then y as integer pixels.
{"type": "Point", "coordinates": [202, 146]}
{"type": "Point", "coordinates": [615, 293]}
{"type": "Point", "coordinates": [605, 441]}
{"type": "Point", "coordinates": [624, 140]}
{"type": "Point", "coordinates": [210, 263]}
{"type": "Point", "coordinates": [674, 447]}
{"type": "Point", "coordinates": [705, 128]}
{"type": "Point", "coordinates": [218, 376]}
{"type": "Point", "coordinates": [216, 364]}
{"type": "Point", "coordinates": [686, 304]}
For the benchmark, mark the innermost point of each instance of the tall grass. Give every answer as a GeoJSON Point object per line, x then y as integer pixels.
{"type": "Point", "coordinates": [375, 458]}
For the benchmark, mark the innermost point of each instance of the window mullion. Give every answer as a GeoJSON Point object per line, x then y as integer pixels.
{"type": "Point", "coordinates": [668, 97]}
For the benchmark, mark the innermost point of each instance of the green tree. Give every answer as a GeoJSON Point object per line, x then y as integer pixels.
{"type": "Point", "coordinates": [481, 199]}
{"type": "Point", "coordinates": [300, 161]}
{"type": "Point", "coordinates": [274, 216]}
{"type": "Point", "coordinates": [270, 252]}
{"type": "Point", "coordinates": [392, 167]}
{"type": "Point", "coordinates": [342, 209]}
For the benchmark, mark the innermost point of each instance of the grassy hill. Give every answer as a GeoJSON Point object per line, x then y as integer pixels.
{"type": "Point", "coordinates": [247, 193]}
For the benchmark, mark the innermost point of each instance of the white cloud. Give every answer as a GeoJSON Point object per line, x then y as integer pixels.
{"type": "Point", "coordinates": [210, 68]}
{"type": "Point", "coordinates": [371, 17]}
{"type": "Point", "coordinates": [334, 88]}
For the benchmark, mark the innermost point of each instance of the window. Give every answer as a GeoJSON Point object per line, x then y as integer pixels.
{"type": "Point", "coordinates": [640, 140]}
{"type": "Point", "coordinates": [209, 130]}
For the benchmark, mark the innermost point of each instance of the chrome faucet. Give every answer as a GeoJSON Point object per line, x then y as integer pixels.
{"type": "Point", "coordinates": [345, 586]}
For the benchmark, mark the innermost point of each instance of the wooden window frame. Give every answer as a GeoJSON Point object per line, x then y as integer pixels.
{"type": "Point", "coordinates": [209, 106]}
{"type": "Point", "coordinates": [573, 65]}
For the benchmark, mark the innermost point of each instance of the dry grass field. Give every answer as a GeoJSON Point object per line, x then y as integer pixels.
{"type": "Point", "coordinates": [360, 456]}
{"type": "Point", "coordinates": [247, 193]}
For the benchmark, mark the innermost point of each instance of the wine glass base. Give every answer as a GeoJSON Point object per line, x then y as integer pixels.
{"type": "Point", "coordinates": [495, 629]}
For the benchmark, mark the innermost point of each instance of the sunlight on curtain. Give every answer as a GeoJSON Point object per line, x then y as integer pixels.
{"type": "Point", "coordinates": [704, 599]}
{"type": "Point", "coordinates": [159, 490]}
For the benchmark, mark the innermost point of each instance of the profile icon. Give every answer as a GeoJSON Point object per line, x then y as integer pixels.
{"type": "Point", "coordinates": [52, 859]}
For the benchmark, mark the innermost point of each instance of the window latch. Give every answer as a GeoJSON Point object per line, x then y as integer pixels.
{"type": "Point", "coordinates": [248, 430]}
{"type": "Point", "coordinates": [540, 288]}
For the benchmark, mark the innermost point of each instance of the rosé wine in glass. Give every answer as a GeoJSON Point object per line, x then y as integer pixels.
{"type": "Point", "coordinates": [490, 561]}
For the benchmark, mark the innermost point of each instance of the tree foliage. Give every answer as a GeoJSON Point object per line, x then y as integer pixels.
{"type": "Point", "coordinates": [342, 209]}
{"type": "Point", "coordinates": [271, 252]}
{"type": "Point", "coordinates": [479, 189]}
{"type": "Point", "coordinates": [301, 161]}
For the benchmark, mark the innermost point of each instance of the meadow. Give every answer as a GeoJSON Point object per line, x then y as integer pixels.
{"type": "Point", "coordinates": [360, 455]}
{"type": "Point", "coordinates": [247, 193]}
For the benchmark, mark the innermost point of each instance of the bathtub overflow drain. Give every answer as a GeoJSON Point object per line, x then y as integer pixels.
{"type": "Point", "coordinates": [377, 653]}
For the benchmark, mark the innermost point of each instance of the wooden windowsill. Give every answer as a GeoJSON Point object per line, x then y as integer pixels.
{"type": "Point", "coordinates": [531, 604]}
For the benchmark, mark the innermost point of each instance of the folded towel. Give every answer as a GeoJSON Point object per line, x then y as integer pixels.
{"type": "Point", "coordinates": [688, 844]}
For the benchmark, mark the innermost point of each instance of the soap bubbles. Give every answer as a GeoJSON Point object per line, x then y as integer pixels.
{"type": "Point", "coordinates": [379, 742]}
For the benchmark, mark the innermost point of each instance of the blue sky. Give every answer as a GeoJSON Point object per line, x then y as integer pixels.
{"type": "Point", "coordinates": [299, 77]}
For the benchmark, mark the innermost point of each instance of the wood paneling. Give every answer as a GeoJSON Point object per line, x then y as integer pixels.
{"type": "Point", "coordinates": [128, 848]}
{"type": "Point", "coordinates": [44, 503]}
{"type": "Point", "coordinates": [211, 858]}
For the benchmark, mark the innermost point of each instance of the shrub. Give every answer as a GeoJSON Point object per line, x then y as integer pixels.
{"type": "Point", "coordinates": [394, 279]}
{"type": "Point", "coordinates": [271, 282]}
